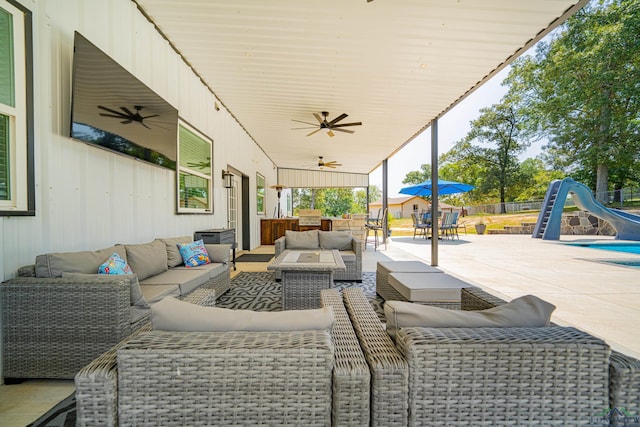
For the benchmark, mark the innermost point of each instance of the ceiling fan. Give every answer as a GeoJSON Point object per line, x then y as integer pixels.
{"type": "Point", "coordinates": [332, 164]}
{"type": "Point", "coordinates": [330, 125]}
{"type": "Point", "coordinates": [127, 115]}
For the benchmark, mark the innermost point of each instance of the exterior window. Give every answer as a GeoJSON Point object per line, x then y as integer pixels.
{"type": "Point", "coordinates": [194, 171]}
{"type": "Point", "coordinates": [16, 163]}
{"type": "Point", "coordinates": [260, 193]}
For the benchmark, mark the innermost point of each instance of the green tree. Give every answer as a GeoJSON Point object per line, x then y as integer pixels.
{"type": "Point", "coordinates": [337, 201]}
{"type": "Point", "coordinates": [495, 140]}
{"type": "Point", "coordinates": [534, 179]}
{"type": "Point", "coordinates": [581, 91]}
{"type": "Point", "coordinates": [416, 177]}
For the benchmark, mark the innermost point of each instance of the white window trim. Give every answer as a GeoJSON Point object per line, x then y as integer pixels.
{"type": "Point", "coordinates": [179, 168]}
{"type": "Point", "coordinates": [18, 118]}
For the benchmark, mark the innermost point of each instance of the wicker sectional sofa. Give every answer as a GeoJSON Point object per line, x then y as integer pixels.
{"type": "Point", "coordinates": [350, 249]}
{"type": "Point", "coordinates": [58, 314]}
{"type": "Point", "coordinates": [310, 378]}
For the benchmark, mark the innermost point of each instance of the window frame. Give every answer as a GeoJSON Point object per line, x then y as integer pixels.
{"type": "Point", "coordinates": [183, 169]}
{"type": "Point", "coordinates": [260, 193]}
{"type": "Point", "coordinates": [21, 143]}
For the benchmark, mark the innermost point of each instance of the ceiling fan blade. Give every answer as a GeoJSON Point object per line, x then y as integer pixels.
{"type": "Point", "coordinates": [113, 115]}
{"type": "Point", "coordinates": [126, 122]}
{"type": "Point", "coordinates": [145, 125]}
{"type": "Point", "coordinates": [344, 130]}
{"type": "Point", "coordinates": [331, 134]}
{"type": "Point", "coordinates": [347, 124]}
{"type": "Point", "coordinates": [315, 131]}
{"type": "Point", "coordinates": [118, 113]}
{"type": "Point", "coordinates": [337, 119]}
{"type": "Point", "coordinates": [306, 123]}
{"type": "Point", "coordinates": [126, 110]}
{"type": "Point", "coordinates": [308, 127]}
{"type": "Point", "coordinates": [327, 165]}
{"type": "Point", "coordinates": [318, 118]}
{"type": "Point", "coordinates": [148, 117]}
{"type": "Point", "coordinates": [333, 162]}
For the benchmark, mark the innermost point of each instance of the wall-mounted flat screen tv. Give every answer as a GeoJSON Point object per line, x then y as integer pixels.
{"type": "Point", "coordinates": [114, 110]}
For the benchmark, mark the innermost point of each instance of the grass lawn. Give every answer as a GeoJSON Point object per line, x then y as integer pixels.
{"type": "Point", "coordinates": [404, 226]}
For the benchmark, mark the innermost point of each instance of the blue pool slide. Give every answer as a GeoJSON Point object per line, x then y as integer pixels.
{"type": "Point", "coordinates": [627, 225]}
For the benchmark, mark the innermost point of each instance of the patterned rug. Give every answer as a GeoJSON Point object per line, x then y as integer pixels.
{"type": "Point", "coordinates": [260, 292]}
{"type": "Point", "coordinates": [249, 291]}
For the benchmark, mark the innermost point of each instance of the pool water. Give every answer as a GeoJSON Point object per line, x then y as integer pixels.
{"type": "Point", "coordinates": [630, 248]}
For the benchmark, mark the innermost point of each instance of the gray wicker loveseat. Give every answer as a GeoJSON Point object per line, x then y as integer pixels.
{"type": "Point", "coordinates": [59, 314]}
{"type": "Point", "coordinates": [310, 378]}
{"type": "Point", "coordinates": [349, 246]}
{"type": "Point", "coordinates": [492, 376]}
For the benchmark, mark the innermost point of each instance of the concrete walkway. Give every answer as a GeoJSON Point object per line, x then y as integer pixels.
{"type": "Point", "coordinates": [599, 298]}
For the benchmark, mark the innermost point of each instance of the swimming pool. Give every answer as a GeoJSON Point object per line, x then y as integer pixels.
{"type": "Point", "coordinates": [627, 247]}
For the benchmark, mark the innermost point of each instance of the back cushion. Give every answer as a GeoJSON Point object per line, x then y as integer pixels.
{"type": "Point", "coordinates": [148, 259]}
{"type": "Point", "coordinates": [340, 240]}
{"type": "Point", "coordinates": [301, 239]}
{"type": "Point", "coordinates": [53, 264]}
{"type": "Point", "coordinates": [171, 314]}
{"type": "Point", "coordinates": [522, 312]}
{"type": "Point", "coordinates": [174, 258]}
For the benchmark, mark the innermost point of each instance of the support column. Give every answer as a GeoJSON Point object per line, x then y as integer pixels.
{"type": "Point", "coordinates": [385, 202]}
{"type": "Point", "coordinates": [434, 192]}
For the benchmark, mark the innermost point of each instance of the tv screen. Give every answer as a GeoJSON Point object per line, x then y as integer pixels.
{"type": "Point", "coordinates": [114, 110]}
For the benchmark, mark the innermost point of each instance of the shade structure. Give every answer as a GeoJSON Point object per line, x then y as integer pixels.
{"type": "Point", "coordinates": [444, 187]}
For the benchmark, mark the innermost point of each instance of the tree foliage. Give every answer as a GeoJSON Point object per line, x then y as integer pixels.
{"type": "Point", "coordinates": [581, 90]}
{"type": "Point", "coordinates": [494, 142]}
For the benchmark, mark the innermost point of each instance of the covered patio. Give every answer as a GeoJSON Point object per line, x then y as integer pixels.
{"type": "Point", "coordinates": [270, 87]}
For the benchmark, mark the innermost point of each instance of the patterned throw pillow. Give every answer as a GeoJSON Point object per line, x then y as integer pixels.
{"type": "Point", "coordinates": [114, 265]}
{"type": "Point", "coordinates": [194, 253]}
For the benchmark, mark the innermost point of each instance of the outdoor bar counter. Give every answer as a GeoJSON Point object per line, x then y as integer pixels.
{"type": "Point", "coordinates": [274, 228]}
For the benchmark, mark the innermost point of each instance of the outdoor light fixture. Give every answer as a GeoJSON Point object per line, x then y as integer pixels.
{"type": "Point", "coordinates": [278, 188]}
{"type": "Point", "coordinates": [227, 178]}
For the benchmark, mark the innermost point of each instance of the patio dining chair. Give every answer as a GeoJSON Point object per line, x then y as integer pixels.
{"type": "Point", "coordinates": [446, 225]}
{"type": "Point", "coordinates": [419, 227]}
{"type": "Point", "coordinates": [376, 227]}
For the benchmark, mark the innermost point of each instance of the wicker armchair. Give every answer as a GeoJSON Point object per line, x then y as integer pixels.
{"type": "Point", "coordinates": [494, 376]}
{"type": "Point", "coordinates": [234, 378]}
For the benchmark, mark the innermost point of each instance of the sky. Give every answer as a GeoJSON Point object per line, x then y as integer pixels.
{"type": "Point", "coordinates": [452, 127]}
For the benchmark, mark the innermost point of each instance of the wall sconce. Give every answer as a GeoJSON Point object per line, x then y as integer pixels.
{"type": "Point", "coordinates": [227, 178]}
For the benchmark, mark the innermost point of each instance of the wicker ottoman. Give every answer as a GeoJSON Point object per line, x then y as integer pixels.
{"type": "Point", "coordinates": [441, 290]}
{"type": "Point", "coordinates": [385, 267]}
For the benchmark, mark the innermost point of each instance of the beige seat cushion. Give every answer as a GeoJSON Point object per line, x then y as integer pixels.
{"type": "Point", "coordinates": [526, 311]}
{"type": "Point", "coordinates": [155, 293]}
{"type": "Point", "coordinates": [301, 239]}
{"type": "Point", "coordinates": [187, 279]}
{"type": "Point", "coordinates": [171, 314]}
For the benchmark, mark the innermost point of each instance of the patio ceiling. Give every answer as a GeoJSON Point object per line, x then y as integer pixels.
{"type": "Point", "coordinates": [392, 65]}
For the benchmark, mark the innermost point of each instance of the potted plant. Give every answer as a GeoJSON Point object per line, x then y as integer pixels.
{"type": "Point", "coordinates": [481, 227]}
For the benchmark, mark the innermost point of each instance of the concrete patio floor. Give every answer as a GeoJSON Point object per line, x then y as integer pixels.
{"type": "Point", "coordinates": [599, 298]}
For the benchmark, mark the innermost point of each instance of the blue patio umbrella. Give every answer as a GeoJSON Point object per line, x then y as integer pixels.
{"type": "Point", "coordinates": [444, 187]}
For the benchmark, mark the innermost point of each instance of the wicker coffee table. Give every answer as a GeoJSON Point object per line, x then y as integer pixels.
{"type": "Point", "coordinates": [304, 274]}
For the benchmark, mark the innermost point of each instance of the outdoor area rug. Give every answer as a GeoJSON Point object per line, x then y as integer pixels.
{"type": "Point", "coordinates": [260, 292]}
{"type": "Point", "coordinates": [61, 415]}
{"type": "Point", "coordinates": [254, 258]}
{"type": "Point", "coordinates": [249, 291]}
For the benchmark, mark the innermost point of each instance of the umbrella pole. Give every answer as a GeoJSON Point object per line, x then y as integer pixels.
{"type": "Point", "coordinates": [434, 193]}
